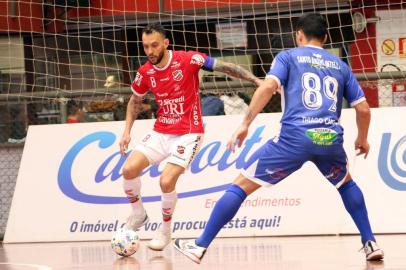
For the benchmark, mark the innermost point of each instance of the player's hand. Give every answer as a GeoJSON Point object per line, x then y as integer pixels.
{"type": "Point", "coordinates": [238, 137]}
{"type": "Point", "coordinates": [125, 141]}
{"type": "Point", "coordinates": [362, 146]}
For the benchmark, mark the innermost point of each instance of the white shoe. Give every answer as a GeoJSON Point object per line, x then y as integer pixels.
{"type": "Point", "coordinates": [372, 251]}
{"type": "Point", "coordinates": [190, 249]}
{"type": "Point", "coordinates": [134, 222]}
{"type": "Point", "coordinates": [160, 240]}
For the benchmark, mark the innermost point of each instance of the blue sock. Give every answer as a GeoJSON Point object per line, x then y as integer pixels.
{"type": "Point", "coordinates": [355, 204]}
{"type": "Point", "coordinates": [224, 210]}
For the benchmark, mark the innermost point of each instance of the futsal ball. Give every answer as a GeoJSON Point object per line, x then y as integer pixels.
{"type": "Point", "coordinates": [125, 242]}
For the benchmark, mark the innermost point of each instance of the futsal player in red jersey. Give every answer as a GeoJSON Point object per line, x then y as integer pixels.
{"type": "Point", "coordinates": [173, 79]}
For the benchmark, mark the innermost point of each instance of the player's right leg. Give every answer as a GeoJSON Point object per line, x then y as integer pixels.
{"type": "Point", "coordinates": [132, 169]}
{"type": "Point", "coordinates": [144, 154]}
{"type": "Point", "coordinates": [224, 210]}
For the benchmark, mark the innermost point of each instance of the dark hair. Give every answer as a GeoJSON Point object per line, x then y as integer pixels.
{"type": "Point", "coordinates": [73, 107]}
{"type": "Point", "coordinates": [313, 25]}
{"type": "Point", "coordinates": [154, 27]}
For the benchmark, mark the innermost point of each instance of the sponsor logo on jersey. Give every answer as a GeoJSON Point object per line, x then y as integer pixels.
{"type": "Point", "coordinates": [322, 136]}
{"type": "Point", "coordinates": [195, 149]}
{"type": "Point", "coordinates": [175, 64]}
{"type": "Point", "coordinates": [177, 75]}
{"type": "Point", "coordinates": [181, 149]}
{"type": "Point", "coordinates": [151, 71]}
{"type": "Point", "coordinates": [138, 79]}
{"type": "Point", "coordinates": [195, 116]}
{"type": "Point", "coordinates": [162, 95]}
{"type": "Point", "coordinates": [197, 59]}
{"type": "Point", "coordinates": [164, 79]}
{"type": "Point", "coordinates": [176, 88]}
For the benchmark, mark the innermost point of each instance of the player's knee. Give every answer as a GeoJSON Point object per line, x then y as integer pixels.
{"type": "Point", "coordinates": [129, 172]}
{"type": "Point", "coordinates": [167, 184]}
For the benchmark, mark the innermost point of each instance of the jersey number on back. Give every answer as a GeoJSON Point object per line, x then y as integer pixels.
{"type": "Point", "coordinates": [312, 91]}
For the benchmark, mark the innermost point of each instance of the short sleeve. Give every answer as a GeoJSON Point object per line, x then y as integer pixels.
{"type": "Point", "coordinates": [280, 68]}
{"type": "Point", "coordinates": [352, 90]}
{"type": "Point", "coordinates": [196, 60]}
{"type": "Point", "coordinates": [139, 87]}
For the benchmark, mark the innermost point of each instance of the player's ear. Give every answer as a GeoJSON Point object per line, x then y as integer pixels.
{"type": "Point", "coordinates": [298, 38]}
{"type": "Point", "coordinates": [325, 38]}
{"type": "Point", "coordinates": [166, 42]}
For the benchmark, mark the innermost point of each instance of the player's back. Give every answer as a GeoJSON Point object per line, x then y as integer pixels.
{"type": "Point", "coordinates": [314, 84]}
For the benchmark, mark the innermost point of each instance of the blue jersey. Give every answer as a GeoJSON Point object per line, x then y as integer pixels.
{"type": "Point", "coordinates": [314, 83]}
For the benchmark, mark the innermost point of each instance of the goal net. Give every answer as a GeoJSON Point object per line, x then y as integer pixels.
{"type": "Point", "coordinates": [56, 53]}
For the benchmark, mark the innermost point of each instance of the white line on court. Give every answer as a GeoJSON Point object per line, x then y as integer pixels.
{"type": "Point", "coordinates": [36, 266]}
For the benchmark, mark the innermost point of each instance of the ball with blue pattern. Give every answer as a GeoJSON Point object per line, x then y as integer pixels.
{"type": "Point", "coordinates": [125, 242]}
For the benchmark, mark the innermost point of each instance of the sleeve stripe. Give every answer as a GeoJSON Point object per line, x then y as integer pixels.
{"type": "Point", "coordinates": [136, 93]}
{"type": "Point", "coordinates": [271, 76]}
{"type": "Point", "coordinates": [210, 63]}
{"type": "Point", "coordinates": [355, 102]}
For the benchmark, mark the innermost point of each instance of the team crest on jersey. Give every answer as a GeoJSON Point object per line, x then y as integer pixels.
{"type": "Point", "coordinates": [138, 79]}
{"type": "Point", "coordinates": [181, 149]}
{"type": "Point", "coordinates": [197, 59]}
{"type": "Point", "coordinates": [177, 75]}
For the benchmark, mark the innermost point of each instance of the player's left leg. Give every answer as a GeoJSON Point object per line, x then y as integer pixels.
{"type": "Point", "coordinates": [335, 169]}
{"type": "Point", "coordinates": [224, 210]}
{"type": "Point", "coordinates": [183, 150]}
{"type": "Point", "coordinates": [269, 165]}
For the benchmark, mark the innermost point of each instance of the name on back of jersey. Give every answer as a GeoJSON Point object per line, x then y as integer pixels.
{"type": "Point", "coordinates": [318, 62]}
{"type": "Point", "coordinates": [319, 120]}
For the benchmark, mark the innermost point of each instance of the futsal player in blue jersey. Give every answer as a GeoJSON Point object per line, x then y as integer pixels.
{"type": "Point", "coordinates": [314, 83]}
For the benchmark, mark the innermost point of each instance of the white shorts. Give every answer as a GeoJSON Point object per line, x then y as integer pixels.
{"type": "Point", "coordinates": [179, 149]}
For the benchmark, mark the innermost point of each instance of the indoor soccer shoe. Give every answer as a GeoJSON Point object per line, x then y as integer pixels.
{"type": "Point", "coordinates": [372, 251]}
{"type": "Point", "coordinates": [134, 222]}
{"type": "Point", "coordinates": [160, 240]}
{"type": "Point", "coordinates": [190, 249]}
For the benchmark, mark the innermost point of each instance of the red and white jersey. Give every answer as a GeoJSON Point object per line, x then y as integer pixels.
{"type": "Point", "coordinates": [176, 91]}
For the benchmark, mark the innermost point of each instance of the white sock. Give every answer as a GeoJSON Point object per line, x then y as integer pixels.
{"type": "Point", "coordinates": [168, 206]}
{"type": "Point", "coordinates": [132, 189]}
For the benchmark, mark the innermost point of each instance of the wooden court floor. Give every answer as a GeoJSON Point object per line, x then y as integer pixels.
{"type": "Point", "coordinates": [271, 253]}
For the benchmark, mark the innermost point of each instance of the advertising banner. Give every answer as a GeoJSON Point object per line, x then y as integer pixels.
{"type": "Point", "coordinates": [69, 186]}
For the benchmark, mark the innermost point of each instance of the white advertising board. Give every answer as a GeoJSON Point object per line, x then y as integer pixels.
{"type": "Point", "coordinates": [69, 186]}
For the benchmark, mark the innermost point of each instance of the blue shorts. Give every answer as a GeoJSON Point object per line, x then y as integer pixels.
{"type": "Point", "coordinates": [277, 159]}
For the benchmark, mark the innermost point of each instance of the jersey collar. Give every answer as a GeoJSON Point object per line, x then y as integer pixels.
{"type": "Point", "coordinates": [312, 46]}
{"type": "Point", "coordinates": [167, 64]}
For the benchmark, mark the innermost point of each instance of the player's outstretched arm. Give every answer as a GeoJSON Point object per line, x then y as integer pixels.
{"type": "Point", "coordinates": [235, 71]}
{"type": "Point", "coordinates": [133, 109]}
{"type": "Point", "coordinates": [260, 98]}
{"type": "Point", "coordinates": [363, 115]}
